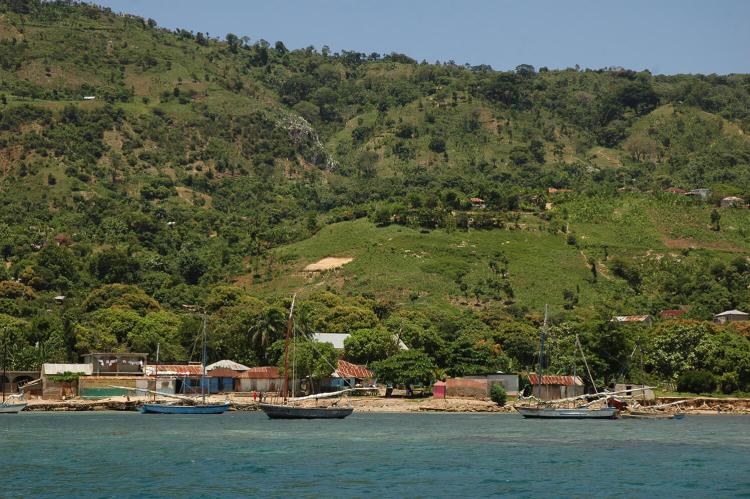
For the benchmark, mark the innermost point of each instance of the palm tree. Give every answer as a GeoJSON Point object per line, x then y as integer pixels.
{"type": "Point", "coordinates": [268, 327]}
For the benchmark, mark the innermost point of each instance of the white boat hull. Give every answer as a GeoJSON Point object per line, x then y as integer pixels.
{"type": "Point", "coordinates": [6, 408]}
{"type": "Point", "coordinates": [578, 413]}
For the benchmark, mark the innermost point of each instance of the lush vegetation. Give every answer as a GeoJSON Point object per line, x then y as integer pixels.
{"type": "Point", "coordinates": [210, 172]}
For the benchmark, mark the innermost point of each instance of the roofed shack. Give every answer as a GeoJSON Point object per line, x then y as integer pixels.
{"type": "Point", "coordinates": [557, 387]}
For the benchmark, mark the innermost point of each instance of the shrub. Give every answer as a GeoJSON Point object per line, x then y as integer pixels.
{"type": "Point", "coordinates": [696, 381]}
{"type": "Point", "coordinates": [498, 394]}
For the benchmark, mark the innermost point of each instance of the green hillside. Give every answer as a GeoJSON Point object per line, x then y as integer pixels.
{"type": "Point", "coordinates": [144, 169]}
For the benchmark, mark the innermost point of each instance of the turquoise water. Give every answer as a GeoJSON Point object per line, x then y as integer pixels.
{"type": "Point", "coordinates": [375, 455]}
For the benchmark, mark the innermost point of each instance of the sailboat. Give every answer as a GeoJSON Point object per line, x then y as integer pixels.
{"type": "Point", "coordinates": [551, 409]}
{"type": "Point", "coordinates": [185, 408]}
{"type": "Point", "coordinates": [287, 409]}
{"type": "Point", "coordinates": [15, 403]}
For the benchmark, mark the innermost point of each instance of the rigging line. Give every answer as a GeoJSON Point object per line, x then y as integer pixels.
{"type": "Point", "coordinates": [585, 362]}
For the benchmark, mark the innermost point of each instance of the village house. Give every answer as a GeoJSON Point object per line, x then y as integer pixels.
{"type": "Point", "coordinates": [675, 190]}
{"type": "Point", "coordinates": [338, 339]}
{"type": "Point", "coordinates": [731, 316]}
{"type": "Point", "coordinates": [672, 314]}
{"type": "Point", "coordinates": [699, 193]}
{"type": "Point", "coordinates": [115, 364]}
{"type": "Point", "coordinates": [55, 389]}
{"type": "Point", "coordinates": [348, 375]}
{"type": "Point", "coordinates": [638, 392]}
{"type": "Point", "coordinates": [478, 203]}
{"type": "Point", "coordinates": [554, 190]}
{"type": "Point", "coordinates": [479, 386]}
{"type": "Point", "coordinates": [732, 202]}
{"type": "Point", "coordinates": [645, 320]}
{"type": "Point", "coordinates": [557, 387]}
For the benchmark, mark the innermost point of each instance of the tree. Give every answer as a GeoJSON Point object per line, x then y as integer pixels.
{"type": "Point", "coordinates": [308, 359]}
{"type": "Point", "coordinates": [233, 41]}
{"type": "Point", "coordinates": [113, 265]}
{"type": "Point", "coordinates": [370, 345]}
{"type": "Point", "coordinates": [406, 368]}
{"type": "Point", "coordinates": [437, 144]}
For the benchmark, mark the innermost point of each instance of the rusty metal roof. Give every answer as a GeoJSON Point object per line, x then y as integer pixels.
{"type": "Point", "coordinates": [223, 372]}
{"type": "Point", "coordinates": [348, 370]}
{"type": "Point", "coordinates": [549, 379]}
{"type": "Point", "coordinates": [176, 369]}
{"type": "Point", "coordinates": [262, 372]}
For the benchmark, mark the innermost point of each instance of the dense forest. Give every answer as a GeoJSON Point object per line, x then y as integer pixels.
{"type": "Point", "coordinates": [144, 169]}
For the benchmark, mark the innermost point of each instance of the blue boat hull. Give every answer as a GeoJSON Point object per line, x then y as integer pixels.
{"type": "Point", "coordinates": [184, 409]}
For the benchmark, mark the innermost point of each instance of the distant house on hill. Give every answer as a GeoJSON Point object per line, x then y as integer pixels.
{"type": "Point", "coordinates": [672, 314]}
{"type": "Point", "coordinates": [732, 202]}
{"type": "Point", "coordinates": [89, 97]}
{"type": "Point", "coordinates": [478, 203]}
{"type": "Point", "coordinates": [731, 316]}
{"type": "Point", "coordinates": [676, 190]}
{"type": "Point", "coordinates": [337, 340]}
{"type": "Point", "coordinates": [554, 190]}
{"type": "Point", "coordinates": [646, 320]}
{"type": "Point", "coordinates": [699, 193]}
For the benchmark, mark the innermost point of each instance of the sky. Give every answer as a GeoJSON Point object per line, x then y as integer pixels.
{"type": "Point", "coordinates": [662, 36]}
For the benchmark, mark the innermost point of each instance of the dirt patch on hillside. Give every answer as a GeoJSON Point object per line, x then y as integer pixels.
{"type": "Point", "coordinates": [327, 263]}
{"type": "Point", "coordinates": [693, 244]}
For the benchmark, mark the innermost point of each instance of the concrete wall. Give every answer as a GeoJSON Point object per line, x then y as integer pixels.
{"type": "Point", "coordinates": [467, 388]}
{"type": "Point", "coordinates": [262, 385]}
{"type": "Point", "coordinates": [638, 395]}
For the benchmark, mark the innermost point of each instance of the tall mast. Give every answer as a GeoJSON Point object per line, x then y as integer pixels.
{"type": "Point", "coordinates": [156, 372]}
{"type": "Point", "coordinates": [541, 352]}
{"type": "Point", "coordinates": [5, 357]}
{"type": "Point", "coordinates": [203, 374]}
{"type": "Point", "coordinates": [286, 348]}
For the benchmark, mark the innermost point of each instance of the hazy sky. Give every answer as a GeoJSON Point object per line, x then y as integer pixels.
{"type": "Point", "coordinates": [664, 36]}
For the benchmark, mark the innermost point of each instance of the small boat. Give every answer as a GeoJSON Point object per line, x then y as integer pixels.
{"type": "Point", "coordinates": [574, 413]}
{"type": "Point", "coordinates": [184, 409]}
{"type": "Point", "coordinates": [651, 415]}
{"type": "Point", "coordinates": [551, 409]}
{"type": "Point", "coordinates": [287, 409]}
{"type": "Point", "coordinates": [15, 403]}
{"type": "Point", "coordinates": [190, 408]}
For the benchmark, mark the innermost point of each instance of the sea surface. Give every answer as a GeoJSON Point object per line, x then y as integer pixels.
{"type": "Point", "coordinates": [108, 454]}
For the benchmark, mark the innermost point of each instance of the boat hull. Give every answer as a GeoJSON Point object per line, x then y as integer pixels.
{"type": "Point", "coordinates": [184, 409]}
{"type": "Point", "coordinates": [582, 413]}
{"type": "Point", "coordinates": [275, 411]}
{"type": "Point", "coordinates": [651, 415]}
{"type": "Point", "coordinates": [6, 408]}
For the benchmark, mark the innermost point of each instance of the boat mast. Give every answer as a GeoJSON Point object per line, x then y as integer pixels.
{"type": "Point", "coordinates": [286, 349]}
{"type": "Point", "coordinates": [203, 374]}
{"type": "Point", "coordinates": [5, 357]}
{"type": "Point", "coordinates": [156, 372]}
{"type": "Point", "coordinates": [541, 352]}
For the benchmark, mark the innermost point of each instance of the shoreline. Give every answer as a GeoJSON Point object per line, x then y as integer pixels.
{"type": "Point", "coordinates": [696, 406]}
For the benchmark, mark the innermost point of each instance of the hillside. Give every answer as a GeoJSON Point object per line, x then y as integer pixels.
{"type": "Point", "coordinates": [143, 169]}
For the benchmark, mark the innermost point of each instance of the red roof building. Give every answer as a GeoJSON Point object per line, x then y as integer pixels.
{"type": "Point", "coordinates": [672, 314]}
{"type": "Point", "coordinates": [175, 370]}
{"type": "Point", "coordinates": [262, 372]}
{"type": "Point", "coordinates": [348, 370]}
{"type": "Point", "coordinates": [549, 379]}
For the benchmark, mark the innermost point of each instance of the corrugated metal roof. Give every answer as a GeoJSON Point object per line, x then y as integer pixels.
{"type": "Point", "coordinates": [731, 312]}
{"type": "Point", "coordinates": [227, 364]}
{"type": "Point", "coordinates": [176, 369]}
{"type": "Point", "coordinates": [262, 372]}
{"type": "Point", "coordinates": [346, 369]}
{"type": "Point", "coordinates": [67, 368]}
{"type": "Point", "coordinates": [549, 379]}
{"type": "Point", "coordinates": [632, 318]}
{"type": "Point", "coordinates": [223, 372]}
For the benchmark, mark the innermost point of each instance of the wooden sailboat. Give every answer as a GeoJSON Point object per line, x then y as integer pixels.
{"type": "Point", "coordinates": [15, 403]}
{"type": "Point", "coordinates": [551, 409]}
{"type": "Point", "coordinates": [185, 408]}
{"type": "Point", "coordinates": [287, 409]}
